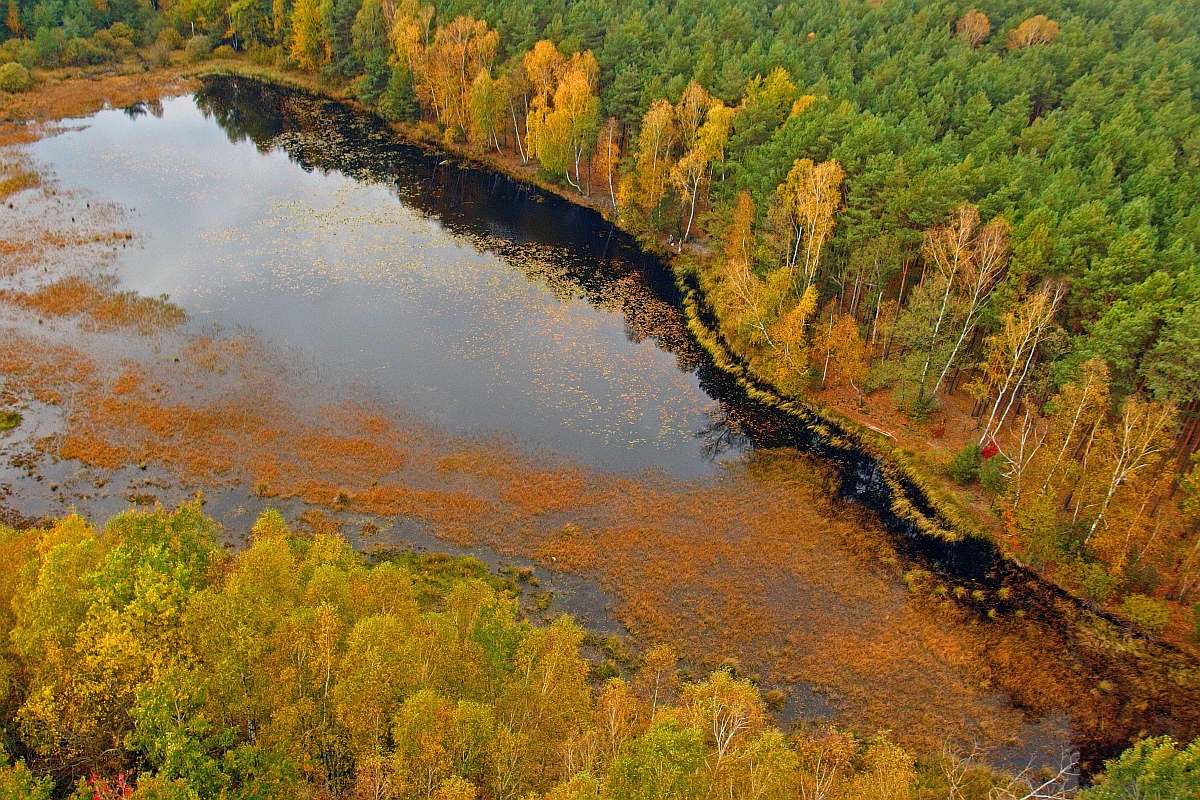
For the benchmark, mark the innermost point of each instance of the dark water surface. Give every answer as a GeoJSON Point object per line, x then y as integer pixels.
{"type": "Point", "coordinates": [464, 295]}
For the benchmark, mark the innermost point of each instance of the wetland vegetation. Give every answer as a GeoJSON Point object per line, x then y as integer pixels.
{"type": "Point", "coordinates": [936, 228]}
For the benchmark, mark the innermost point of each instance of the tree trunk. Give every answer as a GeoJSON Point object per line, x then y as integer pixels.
{"type": "Point", "coordinates": [517, 133]}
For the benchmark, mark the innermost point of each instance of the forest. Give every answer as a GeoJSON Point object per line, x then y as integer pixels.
{"type": "Point", "coordinates": [144, 660]}
{"type": "Point", "coordinates": [983, 218]}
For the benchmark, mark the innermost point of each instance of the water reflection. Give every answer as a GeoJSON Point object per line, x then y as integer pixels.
{"type": "Point", "coordinates": [722, 435]}
{"type": "Point", "coordinates": [465, 295]}
{"type": "Point", "coordinates": [571, 250]}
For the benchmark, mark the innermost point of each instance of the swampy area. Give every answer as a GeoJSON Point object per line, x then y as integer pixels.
{"type": "Point", "coordinates": [265, 298]}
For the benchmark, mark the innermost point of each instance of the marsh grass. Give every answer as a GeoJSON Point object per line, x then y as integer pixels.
{"type": "Point", "coordinates": [11, 184]}
{"type": "Point", "coordinates": [70, 93]}
{"type": "Point", "coordinates": [100, 304]}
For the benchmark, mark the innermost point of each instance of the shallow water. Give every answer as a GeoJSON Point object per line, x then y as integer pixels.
{"type": "Point", "coordinates": [462, 295]}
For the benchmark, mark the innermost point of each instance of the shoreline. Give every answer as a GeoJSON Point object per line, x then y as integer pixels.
{"type": "Point", "coordinates": [954, 522]}
{"type": "Point", "coordinates": [918, 500]}
{"type": "Point", "coordinates": [917, 505]}
{"type": "Point", "coordinates": [844, 449]}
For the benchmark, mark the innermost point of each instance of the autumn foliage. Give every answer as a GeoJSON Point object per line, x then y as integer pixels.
{"type": "Point", "coordinates": [974, 27]}
{"type": "Point", "coordinates": [148, 659]}
{"type": "Point", "coordinates": [1032, 32]}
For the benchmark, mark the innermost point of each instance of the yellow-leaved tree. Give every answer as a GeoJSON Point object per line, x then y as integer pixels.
{"type": "Point", "coordinates": [803, 215]}
{"type": "Point", "coordinates": [489, 105]}
{"type": "Point", "coordinates": [308, 49]}
{"type": "Point", "coordinates": [562, 134]}
{"type": "Point", "coordinates": [647, 184]}
{"type": "Point", "coordinates": [694, 169]}
{"type": "Point", "coordinates": [444, 70]}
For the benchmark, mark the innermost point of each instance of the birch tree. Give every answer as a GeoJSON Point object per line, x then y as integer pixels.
{"type": "Point", "coordinates": [741, 290]}
{"type": "Point", "coordinates": [980, 273]}
{"type": "Point", "coordinates": [728, 710]}
{"type": "Point", "coordinates": [608, 155]}
{"type": "Point", "coordinates": [1142, 437]}
{"type": "Point", "coordinates": [564, 134]}
{"type": "Point", "coordinates": [518, 103]}
{"type": "Point", "coordinates": [1021, 455]}
{"type": "Point", "coordinates": [1075, 412]}
{"type": "Point", "coordinates": [488, 103]}
{"type": "Point", "coordinates": [653, 161]}
{"type": "Point", "coordinates": [694, 169]}
{"type": "Point", "coordinates": [803, 213]}
{"type": "Point", "coordinates": [1011, 352]}
{"type": "Point", "coordinates": [948, 248]}
{"type": "Point", "coordinates": [544, 65]}
{"type": "Point", "coordinates": [690, 113]}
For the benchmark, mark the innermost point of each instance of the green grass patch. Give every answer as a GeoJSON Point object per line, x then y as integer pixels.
{"type": "Point", "coordinates": [435, 574]}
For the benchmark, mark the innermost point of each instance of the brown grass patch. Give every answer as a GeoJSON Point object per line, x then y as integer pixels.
{"type": "Point", "coordinates": [105, 308]}
{"type": "Point", "coordinates": [45, 372]}
{"type": "Point", "coordinates": [67, 94]}
{"type": "Point", "coordinates": [18, 183]}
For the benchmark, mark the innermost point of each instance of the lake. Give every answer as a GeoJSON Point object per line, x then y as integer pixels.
{"type": "Point", "coordinates": [464, 295]}
{"type": "Point", "coordinates": [391, 343]}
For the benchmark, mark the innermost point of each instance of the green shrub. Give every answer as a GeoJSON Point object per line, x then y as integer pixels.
{"type": "Point", "coordinates": [1147, 613]}
{"type": "Point", "coordinates": [224, 51]}
{"type": "Point", "coordinates": [17, 781]}
{"type": "Point", "coordinates": [14, 78]}
{"type": "Point", "coordinates": [122, 33]}
{"type": "Point", "coordinates": [117, 40]}
{"type": "Point", "coordinates": [47, 45]}
{"type": "Point", "coordinates": [27, 55]}
{"type": "Point", "coordinates": [8, 419]}
{"type": "Point", "coordinates": [79, 52]}
{"type": "Point", "coordinates": [170, 38]}
{"type": "Point", "coordinates": [1151, 768]}
{"type": "Point", "coordinates": [921, 408]}
{"type": "Point", "coordinates": [965, 467]}
{"type": "Point", "coordinates": [159, 55]}
{"type": "Point", "coordinates": [10, 51]}
{"type": "Point", "coordinates": [198, 48]}
{"type": "Point", "coordinates": [991, 475]}
{"type": "Point", "coordinates": [1089, 579]}
{"type": "Point", "coordinates": [606, 671]}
